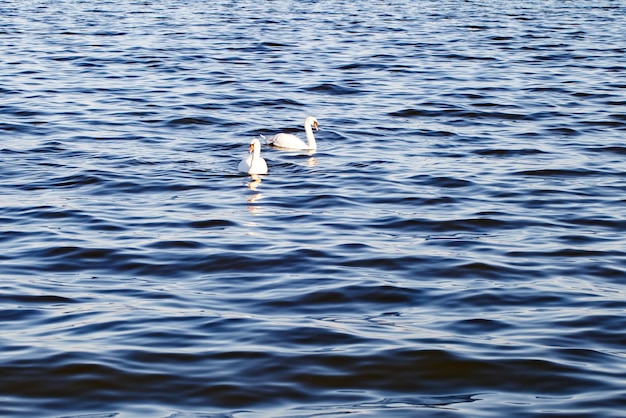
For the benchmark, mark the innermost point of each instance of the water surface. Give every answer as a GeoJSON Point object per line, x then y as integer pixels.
{"type": "Point", "coordinates": [455, 246]}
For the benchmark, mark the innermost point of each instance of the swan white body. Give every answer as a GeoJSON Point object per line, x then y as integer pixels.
{"type": "Point", "coordinates": [290, 141]}
{"type": "Point", "coordinates": [253, 163]}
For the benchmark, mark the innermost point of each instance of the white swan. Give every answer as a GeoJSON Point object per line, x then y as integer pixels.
{"type": "Point", "coordinates": [253, 163]}
{"type": "Point", "coordinates": [290, 141]}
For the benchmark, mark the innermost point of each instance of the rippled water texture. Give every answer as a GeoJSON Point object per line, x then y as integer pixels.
{"type": "Point", "coordinates": [455, 247]}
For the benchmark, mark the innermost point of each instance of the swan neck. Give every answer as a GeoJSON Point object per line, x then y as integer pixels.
{"type": "Point", "coordinates": [256, 153]}
{"type": "Point", "coordinates": [309, 135]}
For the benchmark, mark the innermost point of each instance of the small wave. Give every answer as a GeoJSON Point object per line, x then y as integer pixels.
{"type": "Point", "coordinates": [554, 172]}
{"type": "Point", "coordinates": [279, 103]}
{"type": "Point", "coordinates": [192, 121]}
{"type": "Point", "coordinates": [510, 152]}
{"type": "Point", "coordinates": [466, 114]}
{"type": "Point", "coordinates": [334, 89]}
{"type": "Point", "coordinates": [619, 150]}
{"type": "Point", "coordinates": [431, 226]}
{"type": "Point", "coordinates": [334, 299]}
{"type": "Point", "coordinates": [362, 66]}
{"type": "Point", "coordinates": [35, 299]}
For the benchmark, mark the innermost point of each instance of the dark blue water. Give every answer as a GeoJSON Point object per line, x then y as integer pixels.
{"type": "Point", "coordinates": [455, 247]}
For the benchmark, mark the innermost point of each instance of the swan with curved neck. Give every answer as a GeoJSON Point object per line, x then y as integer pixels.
{"type": "Point", "coordinates": [290, 141]}
{"type": "Point", "coordinates": [253, 163]}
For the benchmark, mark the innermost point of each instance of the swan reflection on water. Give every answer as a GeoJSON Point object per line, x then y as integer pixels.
{"type": "Point", "coordinates": [252, 185]}
{"type": "Point", "coordinates": [255, 198]}
{"type": "Point", "coordinates": [256, 180]}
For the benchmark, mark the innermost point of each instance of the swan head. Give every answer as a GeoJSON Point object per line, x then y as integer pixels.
{"type": "Point", "coordinates": [254, 144]}
{"type": "Point", "coordinates": [311, 121]}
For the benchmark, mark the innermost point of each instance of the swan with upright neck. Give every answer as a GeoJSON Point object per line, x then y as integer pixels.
{"type": "Point", "coordinates": [253, 163]}
{"type": "Point", "coordinates": [283, 140]}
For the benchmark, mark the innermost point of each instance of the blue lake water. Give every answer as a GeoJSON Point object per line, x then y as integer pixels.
{"type": "Point", "coordinates": [455, 247]}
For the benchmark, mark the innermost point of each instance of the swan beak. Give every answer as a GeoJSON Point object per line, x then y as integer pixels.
{"type": "Point", "coordinates": [315, 126]}
{"type": "Point", "coordinates": [251, 148]}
